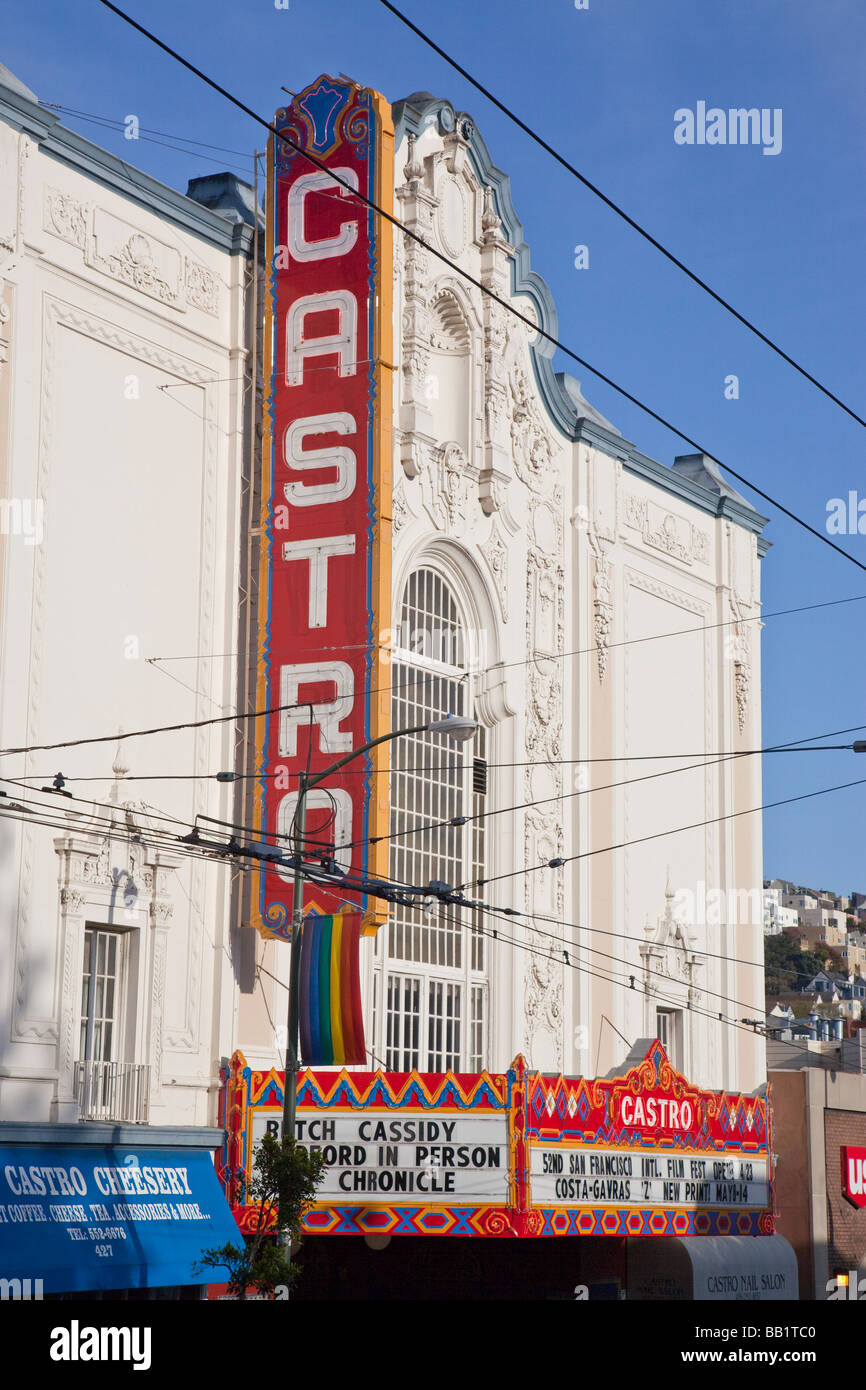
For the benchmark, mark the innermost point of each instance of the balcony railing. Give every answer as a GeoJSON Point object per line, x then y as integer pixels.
{"type": "Point", "coordinates": [112, 1091]}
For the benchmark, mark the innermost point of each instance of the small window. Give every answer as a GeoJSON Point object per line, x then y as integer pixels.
{"type": "Point", "coordinates": [669, 1034]}
{"type": "Point", "coordinates": [102, 984]}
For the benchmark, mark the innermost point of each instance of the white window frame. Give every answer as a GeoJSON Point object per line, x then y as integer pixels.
{"type": "Point", "coordinates": [396, 955]}
{"type": "Point", "coordinates": [673, 1041]}
{"type": "Point", "coordinates": [118, 1048]}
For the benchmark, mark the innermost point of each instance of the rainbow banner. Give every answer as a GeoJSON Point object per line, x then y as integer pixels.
{"type": "Point", "coordinates": [332, 1021]}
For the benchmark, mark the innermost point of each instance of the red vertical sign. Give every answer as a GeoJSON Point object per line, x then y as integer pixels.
{"type": "Point", "coordinates": [324, 597]}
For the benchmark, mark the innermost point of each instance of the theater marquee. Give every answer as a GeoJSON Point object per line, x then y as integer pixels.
{"type": "Point", "coordinates": [325, 579]}
{"type": "Point", "coordinates": [515, 1154]}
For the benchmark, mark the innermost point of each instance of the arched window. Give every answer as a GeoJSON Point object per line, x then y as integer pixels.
{"type": "Point", "coordinates": [430, 1000]}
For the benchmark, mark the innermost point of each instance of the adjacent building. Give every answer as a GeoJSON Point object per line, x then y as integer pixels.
{"type": "Point", "coordinates": [819, 1116]}
{"type": "Point", "coordinates": [124, 408]}
{"type": "Point", "coordinates": [777, 917]}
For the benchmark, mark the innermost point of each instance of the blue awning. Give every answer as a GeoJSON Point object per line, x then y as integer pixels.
{"type": "Point", "coordinates": [93, 1217]}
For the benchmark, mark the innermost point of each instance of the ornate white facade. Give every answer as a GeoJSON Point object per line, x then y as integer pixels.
{"type": "Point", "coordinates": [576, 564]}
{"type": "Point", "coordinates": [592, 608]}
{"type": "Point", "coordinates": [122, 441]}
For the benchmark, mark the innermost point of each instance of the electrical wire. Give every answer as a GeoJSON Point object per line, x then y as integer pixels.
{"type": "Point", "coordinates": [620, 212]}
{"type": "Point", "coordinates": [510, 914]}
{"type": "Point", "coordinates": [694, 1010]}
{"type": "Point", "coordinates": [420, 678]}
{"type": "Point", "coordinates": [217, 854]}
{"type": "Point", "coordinates": [638, 966]}
{"type": "Point", "coordinates": [499, 937]}
{"type": "Point", "coordinates": [581, 791]}
{"type": "Point", "coordinates": [272, 837]}
{"type": "Point", "coordinates": [224, 776]}
{"type": "Point", "coordinates": [660, 834]}
{"type": "Point", "coordinates": [471, 279]}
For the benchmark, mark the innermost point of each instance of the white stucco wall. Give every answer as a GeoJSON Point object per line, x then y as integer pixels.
{"type": "Point", "coordinates": [124, 419]}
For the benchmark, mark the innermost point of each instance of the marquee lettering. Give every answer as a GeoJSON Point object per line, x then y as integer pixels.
{"type": "Point", "coordinates": [338, 456]}
{"type": "Point", "coordinates": [343, 340]}
{"type": "Point", "coordinates": [326, 482]}
{"type": "Point", "coordinates": [653, 1112]}
{"type": "Point", "coordinates": [322, 183]}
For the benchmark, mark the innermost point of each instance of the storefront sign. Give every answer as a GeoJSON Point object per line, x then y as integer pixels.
{"type": "Point", "coordinates": [658, 1114]}
{"type": "Point", "coordinates": [514, 1154]}
{"type": "Point", "coordinates": [325, 584]}
{"type": "Point", "coordinates": [715, 1269]}
{"type": "Point", "coordinates": [854, 1175]}
{"type": "Point", "coordinates": [90, 1217]}
{"type": "Point", "coordinates": [573, 1177]}
{"type": "Point", "coordinates": [647, 1154]}
{"type": "Point", "coordinates": [382, 1159]}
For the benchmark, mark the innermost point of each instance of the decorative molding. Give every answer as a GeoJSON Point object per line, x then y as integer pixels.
{"type": "Point", "coordinates": [411, 455]}
{"type": "Point", "coordinates": [542, 1003]}
{"type": "Point", "coordinates": [65, 217]}
{"type": "Point", "coordinates": [531, 448]}
{"type": "Point", "coordinates": [690, 603]}
{"type": "Point", "coordinates": [494, 700]}
{"type": "Point", "coordinates": [72, 901]}
{"type": "Point", "coordinates": [450, 329]}
{"type": "Point", "coordinates": [120, 250]}
{"type": "Point", "coordinates": [738, 648]}
{"type": "Point", "coordinates": [451, 217]}
{"type": "Point", "coordinates": [638, 580]}
{"type": "Point", "coordinates": [70, 983]}
{"type": "Point", "coordinates": [148, 265]}
{"type": "Point", "coordinates": [399, 510]}
{"type": "Point", "coordinates": [742, 685]}
{"type": "Point", "coordinates": [11, 176]}
{"type": "Point", "coordinates": [666, 531]}
{"type": "Point", "coordinates": [495, 553]}
{"type": "Point", "coordinates": [545, 523]}
{"type": "Point", "coordinates": [454, 477]}
{"type": "Point", "coordinates": [669, 953]}
{"type": "Point", "coordinates": [602, 605]}
{"type": "Point", "coordinates": [157, 1007]}
{"type": "Point", "coordinates": [545, 619]}
{"type": "Point", "coordinates": [202, 287]}
{"type": "Point", "coordinates": [544, 892]}
{"type": "Point", "coordinates": [5, 317]}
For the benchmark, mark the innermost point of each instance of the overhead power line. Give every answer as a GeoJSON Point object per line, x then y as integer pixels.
{"type": "Point", "coordinates": [325, 880]}
{"type": "Point", "coordinates": [227, 776]}
{"type": "Point", "coordinates": [48, 818]}
{"type": "Point", "coordinates": [484, 289]}
{"type": "Point", "coordinates": [630, 987]}
{"type": "Point", "coordinates": [580, 791]}
{"type": "Point", "coordinates": [420, 678]}
{"type": "Point", "coordinates": [264, 836]}
{"type": "Point", "coordinates": [661, 834]}
{"type": "Point", "coordinates": [169, 143]}
{"type": "Point", "coordinates": [620, 212]}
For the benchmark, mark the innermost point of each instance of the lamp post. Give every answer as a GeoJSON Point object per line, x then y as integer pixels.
{"type": "Point", "coordinates": [458, 728]}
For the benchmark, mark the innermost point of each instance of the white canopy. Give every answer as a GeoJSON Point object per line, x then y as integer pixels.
{"type": "Point", "coordinates": [717, 1268]}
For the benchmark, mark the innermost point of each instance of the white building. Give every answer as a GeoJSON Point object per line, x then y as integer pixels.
{"type": "Point", "coordinates": [593, 608]}
{"type": "Point", "coordinates": [777, 917]}
{"type": "Point", "coordinates": [123, 348]}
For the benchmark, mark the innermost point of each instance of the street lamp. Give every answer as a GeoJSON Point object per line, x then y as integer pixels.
{"type": "Point", "coordinates": [459, 729]}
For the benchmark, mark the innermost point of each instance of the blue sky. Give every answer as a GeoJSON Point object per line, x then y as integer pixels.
{"type": "Point", "coordinates": [780, 236]}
